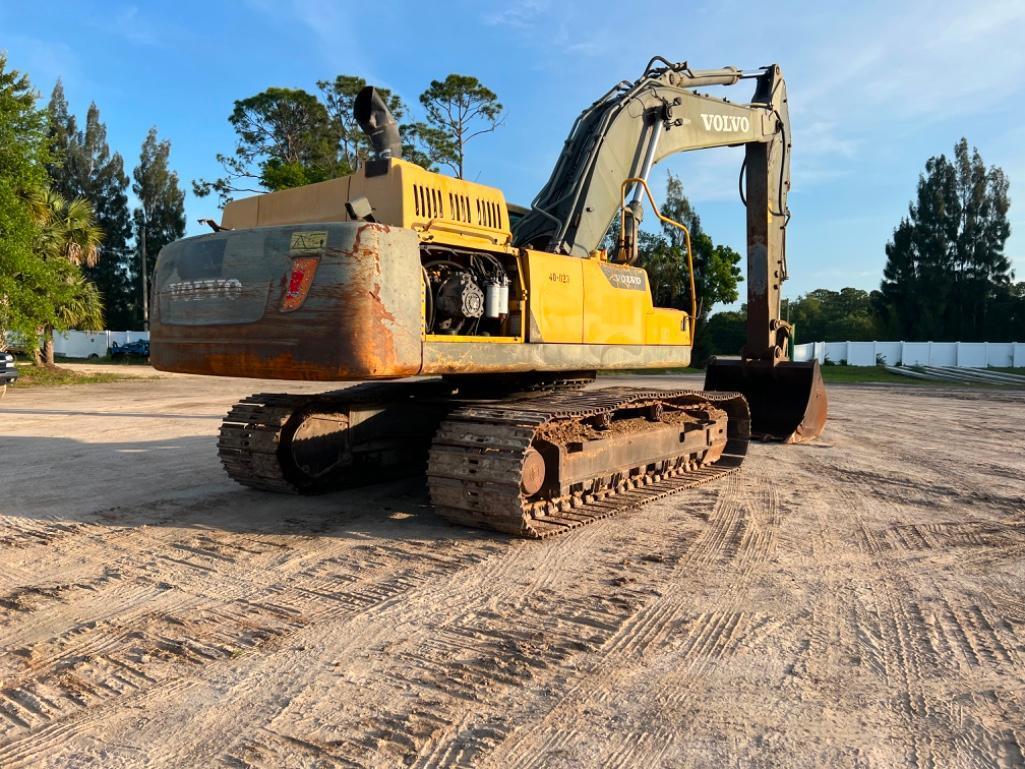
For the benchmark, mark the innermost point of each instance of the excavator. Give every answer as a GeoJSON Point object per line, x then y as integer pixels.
{"type": "Point", "coordinates": [494, 319]}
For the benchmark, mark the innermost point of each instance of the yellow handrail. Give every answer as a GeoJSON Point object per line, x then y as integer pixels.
{"type": "Point", "coordinates": [667, 220]}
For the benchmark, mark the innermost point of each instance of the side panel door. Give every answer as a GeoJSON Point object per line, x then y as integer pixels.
{"type": "Point", "coordinates": [617, 299]}
{"type": "Point", "coordinates": [555, 297]}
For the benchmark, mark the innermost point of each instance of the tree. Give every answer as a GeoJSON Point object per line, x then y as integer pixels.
{"type": "Point", "coordinates": [340, 97]}
{"type": "Point", "coordinates": [820, 315]}
{"type": "Point", "coordinates": [664, 256]}
{"type": "Point", "coordinates": [68, 239]}
{"type": "Point", "coordinates": [84, 167]}
{"type": "Point", "coordinates": [946, 263]}
{"type": "Point", "coordinates": [62, 133]}
{"type": "Point", "coordinates": [23, 157]}
{"type": "Point", "coordinates": [726, 331]}
{"type": "Point", "coordinates": [81, 306]}
{"type": "Point", "coordinates": [459, 108]}
{"type": "Point", "coordinates": [160, 217]}
{"type": "Point", "coordinates": [286, 138]}
{"type": "Point", "coordinates": [353, 145]}
{"type": "Point", "coordinates": [1006, 318]}
{"type": "Point", "coordinates": [833, 316]}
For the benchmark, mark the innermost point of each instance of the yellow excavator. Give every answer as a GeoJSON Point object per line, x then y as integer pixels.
{"type": "Point", "coordinates": [496, 318]}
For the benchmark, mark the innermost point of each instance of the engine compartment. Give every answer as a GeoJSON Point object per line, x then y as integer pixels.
{"type": "Point", "coordinates": [470, 293]}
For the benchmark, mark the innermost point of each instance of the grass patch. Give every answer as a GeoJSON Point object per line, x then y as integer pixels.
{"type": "Point", "coordinates": [106, 360]}
{"type": "Point", "coordinates": [47, 376]}
{"type": "Point", "coordinates": [830, 375]}
{"type": "Point", "coordinates": [862, 374]}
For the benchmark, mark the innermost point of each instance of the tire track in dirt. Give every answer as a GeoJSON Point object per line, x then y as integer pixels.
{"type": "Point", "coordinates": [740, 535]}
{"type": "Point", "coordinates": [17, 532]}
{"type": "Point", "coordinates": [473, 658]}
{"type": "Point", "coordinates": [336, 686]}
{"type": "Point", "coordinates": [924, 634]}
{"type": "Point", "coordinates": [96, 664]}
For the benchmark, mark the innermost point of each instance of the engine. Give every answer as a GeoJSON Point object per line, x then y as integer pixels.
{"type": "Point", "coordinates": [467, 293]}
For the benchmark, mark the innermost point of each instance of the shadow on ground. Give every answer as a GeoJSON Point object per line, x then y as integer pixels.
{"type": "Point", "coordinates": [60, 483]}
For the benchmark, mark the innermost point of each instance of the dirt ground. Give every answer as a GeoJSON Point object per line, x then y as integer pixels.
{"type": "Point", "coordinates": [855, 603]}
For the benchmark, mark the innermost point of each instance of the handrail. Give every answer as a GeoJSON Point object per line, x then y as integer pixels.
{"type": "Point", "coordinates": [667, 220]}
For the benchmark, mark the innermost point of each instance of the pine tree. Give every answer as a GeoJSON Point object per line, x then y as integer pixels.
{"type": "Point", "coordinates": [458, 109]}
{"type": "Point", "coordinates": [62, 133]}
{"type": "Point", "coordinates": [83, 167]}
{"type": "Point", "coordinates": [160, 219]}
{"type": "Point", "coordinates": [353, 145]}
{"type": "Point", "coordinates": [285, 139]}
{"type": "Point", "coordinates": [340, 97]}
{"type": "Point", "coordinates": [945, 264]}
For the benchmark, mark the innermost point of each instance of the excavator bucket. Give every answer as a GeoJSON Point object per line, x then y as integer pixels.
{"type": "Point", "coordinates": [787, 401]}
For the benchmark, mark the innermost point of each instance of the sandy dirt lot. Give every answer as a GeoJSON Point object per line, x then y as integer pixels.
{"type": "Point", "coordinates": [855, 603]}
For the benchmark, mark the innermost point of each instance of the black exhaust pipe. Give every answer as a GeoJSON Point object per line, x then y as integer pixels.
{"type": "Point", "coordinates": [377, 123]}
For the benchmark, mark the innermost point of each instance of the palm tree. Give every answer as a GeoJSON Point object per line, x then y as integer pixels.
{"type": "Point", "coordinates": [81, 305]}
{"type": "Point", "coordinates": [69, 237]}
{"type": "Point", "coordinates": [68, 229]}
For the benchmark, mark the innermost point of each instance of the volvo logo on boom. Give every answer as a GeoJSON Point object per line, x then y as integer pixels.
{"type": "Point", "coordinates": [725, 123]}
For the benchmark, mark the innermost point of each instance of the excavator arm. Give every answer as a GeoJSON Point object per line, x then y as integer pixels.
{"type": "Point", "coordinates": [635, 125]}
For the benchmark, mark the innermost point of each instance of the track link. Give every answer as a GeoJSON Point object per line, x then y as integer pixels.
{"type": "Point", "coordinates": [260, 436]}
{"type": "Point", "coordinates": [477, 460]}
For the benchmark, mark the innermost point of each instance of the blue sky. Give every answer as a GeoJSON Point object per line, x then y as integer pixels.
{"type": "Point", "coordinates": [875, 89]}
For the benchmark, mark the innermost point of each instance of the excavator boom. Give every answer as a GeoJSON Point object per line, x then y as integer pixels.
{"type": "Point", "coordinates": [621, 136]}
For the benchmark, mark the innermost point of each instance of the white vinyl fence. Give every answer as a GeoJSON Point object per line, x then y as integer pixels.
{"type": "Point", "coordinates": [959, 354]}
{"type": "Point", "coordinates": [85, 344]}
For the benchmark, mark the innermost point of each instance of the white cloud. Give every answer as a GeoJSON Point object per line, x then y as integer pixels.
{"type": "Point", "coordinates": [926, 62]}
{"type": "Point", "coordinates": [523, 14]}
{"type": "Point", "coordinates": [554, 30]}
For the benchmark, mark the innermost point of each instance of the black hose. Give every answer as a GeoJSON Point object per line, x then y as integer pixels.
{"type": "Point", "coordinates": [662, 59]}
{"type": "Point", "coordinates": [740, 181]}
{"type": "Point", "coordinates": [429, 293]}
{"type": "Point", "coordinates": [447, 262]}
{"type": "Point", "coordinates": [779, 188]}
{"type": "Point", "coordinates": [782, 170]}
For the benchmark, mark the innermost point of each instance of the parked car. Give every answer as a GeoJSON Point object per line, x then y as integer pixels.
{"type": "Point", "coordinates": [137, 349]}
{"type": "Point", "coordinates": [8, 371]}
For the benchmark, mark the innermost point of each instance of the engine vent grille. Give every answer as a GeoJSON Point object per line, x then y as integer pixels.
{"type": "Point", "coordinates": [489, 214]}
{"type": "Point", "coordinates": [459, 205]}
{"type": "Point", "coordinates": [427, 201]}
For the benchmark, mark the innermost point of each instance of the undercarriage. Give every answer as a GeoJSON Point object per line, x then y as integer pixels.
{"type": "Point", "coordinates": [528, 457]}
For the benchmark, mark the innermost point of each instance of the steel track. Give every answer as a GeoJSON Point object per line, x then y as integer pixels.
{"type": "Point", "coordinates": [477, 457]}
{"type": "Point", "coordinates": [475, 462]}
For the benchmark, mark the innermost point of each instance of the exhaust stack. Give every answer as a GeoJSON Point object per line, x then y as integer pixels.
{"type": "Point", "coordinates": [377, 123]}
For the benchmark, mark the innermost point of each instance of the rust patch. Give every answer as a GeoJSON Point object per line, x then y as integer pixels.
{"type": "Point", "coordinates": [360, 320]}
